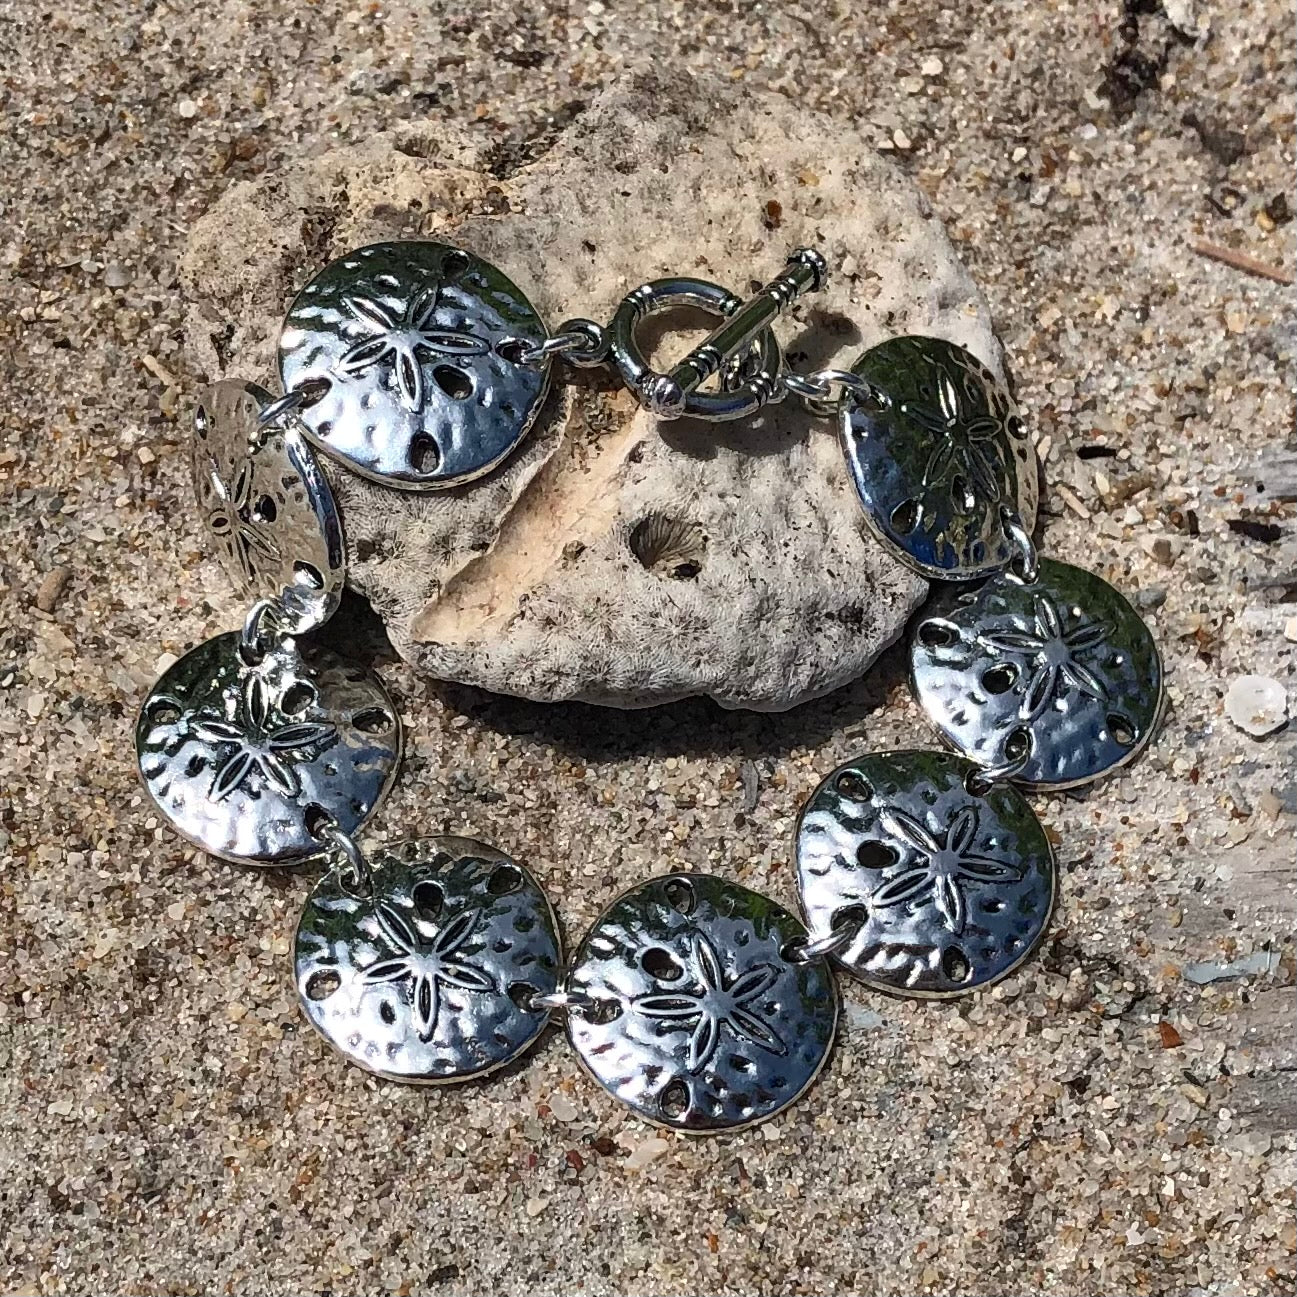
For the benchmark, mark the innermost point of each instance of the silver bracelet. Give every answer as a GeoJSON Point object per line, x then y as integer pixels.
{"type": "Point", "coordinates": [702, 1005]}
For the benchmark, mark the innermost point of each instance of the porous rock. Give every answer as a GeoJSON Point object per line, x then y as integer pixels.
{"type": "Point", "coordinates": [614, 559]}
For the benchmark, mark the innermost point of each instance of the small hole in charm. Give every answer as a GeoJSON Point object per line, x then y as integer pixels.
{"type": "Point", "coordinates": [938, 634]}
{"type": "Point", "coordinates": [999, 679]}
{"type": "Point", "coordinates": [955, 965]}
{"type": "Point", "coordinates": [1018, 745]}
{"type": "Point", "coordinates": [308, 575]}
{"type": "Point", "coordinates": [905, 517]}
{"type": "Point", "coordinates": [428, 899]}
{"type": "Point", "coordinates": [503, 880]}
{"type": "Point", "coordinates": [323, 984]}
{"type": "Point", "coordinates": [872, 854]}
{"type": "Point", "coordinates": [454, 263]}
{"type": "Point", "coordinates": [265, 510]}
{"type": "Point", "coordinates": [674, 1099]}
{"type": "Point", "coordinates": [680, 895]}
{"type": "Point", "coordinates": [297, 698]}
{"type": "Point", "coordinates": [454, 382]}
{"type": "Point", "coordinates": [523, 994]}
{"type": "Point", "coordinates": [424, 455]}
{"type": "Point", "coordinates": [661, 964]}
{"type": "Point", "coordinates": [372, 720]}
{"type": "Point", "coordinates": [854, 787]}
{"type": "Point", "coordinates": [1122, 731]}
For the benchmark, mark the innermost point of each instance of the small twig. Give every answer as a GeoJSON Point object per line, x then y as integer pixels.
{"type": "Point", "coordinates": [1241, 261]}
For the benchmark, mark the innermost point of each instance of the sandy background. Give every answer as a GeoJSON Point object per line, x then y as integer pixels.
{"type": "Point", "coordinates": [1118, 1118]}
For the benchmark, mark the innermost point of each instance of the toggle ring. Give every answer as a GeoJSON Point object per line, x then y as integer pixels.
{"type": "Point", "coordinates": [657, 392]}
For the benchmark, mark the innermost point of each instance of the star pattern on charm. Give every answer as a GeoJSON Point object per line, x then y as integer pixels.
{"type": "Point", "coordinates": [1052, 646]}
{"type": "Point", "coordinates": [260, 747]}
{"type": "Point", "coordinates": [946, 862]}
{"type": "Point", "coordinates": [234, 522]}
{"type": "Point", "coordinates": [962, 425]}
{"type": "Point", "coordinates": [401, 339]}
{"type": "Point", "coordinates": [716, 1004]}
{"type": "Point", "coordinates": [426, 965]}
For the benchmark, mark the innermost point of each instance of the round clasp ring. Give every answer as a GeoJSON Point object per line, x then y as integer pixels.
{"type": "Point", "coordinates": [650, 387]}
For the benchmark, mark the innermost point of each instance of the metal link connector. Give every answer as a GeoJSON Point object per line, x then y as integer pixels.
{"type": "Point", "coordinates": [810, 948]}
{"type": "Point", "coordinates": [252, 639]}
{"type": "Point", "coordinates": [578, 341]}
{"type": "Point", "coordinates": [350, 864]}
{"type": "Point", "coordinates": [1026, 567]}
{"type": "Point", "coordinates": [980, 782]}
{"type": "Point", "coordinates": [822, 391]}
{"type": "Point", "coordinates": [562, 1000]}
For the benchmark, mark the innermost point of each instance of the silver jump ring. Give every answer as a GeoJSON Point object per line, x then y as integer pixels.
{"type": "Point", "coordinates": [353, 868]}
{"type": "Point", "coordinates": [980, 781]}
{"type": "Point", "coordinates": [1014, 529]}
{"type": "Point", "coordinates": [812, 948]}
{"type": "Point", "coordinates": [251, 640]}
{"type": "Point", "coordinates": [816, 390]}
{"type": "Point", "coordinates": [281, 406]}
{"type": "Point", "coordinates": [580, 342]}
{"type": "Point", "coordinates": [561, 999]}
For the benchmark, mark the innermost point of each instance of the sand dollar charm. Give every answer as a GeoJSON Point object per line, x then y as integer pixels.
{"type": "Point", "coordinates": [419, 349]}
{"type": "Point", "coordinates": [937, 453]}
{"type": "Point", "coordinates": [424, 968]}
{"type": "Point", "coordinates": [267, 506]}
{"type": "Point", "coordinates": [245, 758]}
{"type": "Point", "coordinates": [947, 890]}
{"type": "Point", "coordinates": [700, 1020]}
{"type": "Point", "coordinates": [1060, 673]}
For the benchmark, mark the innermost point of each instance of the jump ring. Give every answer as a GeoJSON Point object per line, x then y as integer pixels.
{"type": "Point", "coordinates": [979, 782]}
{"type": "Point", "coordinates": [250, 640]}
{"type": "Point", "coordinates": [353, 859]}
{"type": "Point", "coordinates": [1017, 532]}
{"type": "Point", "coordinates": [809, 949]}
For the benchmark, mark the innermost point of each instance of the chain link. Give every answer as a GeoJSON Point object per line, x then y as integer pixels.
{"type": "Point", "coordinates": [979, 782]}
{"type": "Point", "coordinates": [822, 391]}
{"type": "Point", "coordinates": [579, 341]}
{"type": "Point", "coordinates": [807, 949]}
{"type": "Point", "coordinates": [1026, 567]}
{"type": "Point", "coordinates": [352, 869]}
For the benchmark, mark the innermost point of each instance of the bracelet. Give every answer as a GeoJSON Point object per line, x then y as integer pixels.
{"type": "Point", "coordinates": [702, 1005]}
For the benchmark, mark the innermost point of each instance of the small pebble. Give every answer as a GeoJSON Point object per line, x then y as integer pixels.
{"type": "Point", "coordinates": [932, 67]}
{"type": "Point", "coordinates": [1258, 705]}
{"type": "Point", "coordinates": [562, 1107]}
{"type": "Point", "coordinates": [51, 588]}
{"type": "Point", "coordinates": [643, 1154]}
{"type": "Point", "coordinates": [186, 108]}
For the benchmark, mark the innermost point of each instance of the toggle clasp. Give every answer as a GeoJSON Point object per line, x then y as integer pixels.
{"type": "Point", "coordinates": [742, 348]}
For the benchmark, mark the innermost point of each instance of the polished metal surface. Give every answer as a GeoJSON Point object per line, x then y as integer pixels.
{"type": "Point", "coordinates": [661, 394]}
{"type": "Point", "coordinates": [243, 757]}
{"type": "Point", "coordinates": [430, 974]}
{"type": "Point", "coordinates": [701, 1022]}
{"type": "Point", "coordinates": [422, 348]}
{"type": "Point", "coordinates": [936, 454]}
{"type": "Point", "coordinates": [1062, 669]}
{"type": "Point", "coordinates": [948, 891]}
{"type": "Point", "coordinates": [267, 506]}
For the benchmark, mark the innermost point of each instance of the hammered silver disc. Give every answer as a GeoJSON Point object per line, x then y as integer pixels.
{"type": "Point", "coordinates": [701, 1021]}
{"type": "Point", "coordinates": [267, 506]}
{"type": "Point", "coordinates": [937, 456]}
{"type": "Point", "coordinates": [1061, 669]}
{"type": "Point", "coordinates": [242, 758]}
{"type": "Point", "coordinates": [947, 891]}
{"type": "Point", "coordinates": [428, 975]}
{"type": "Point", "coordinates": [420, 346]}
